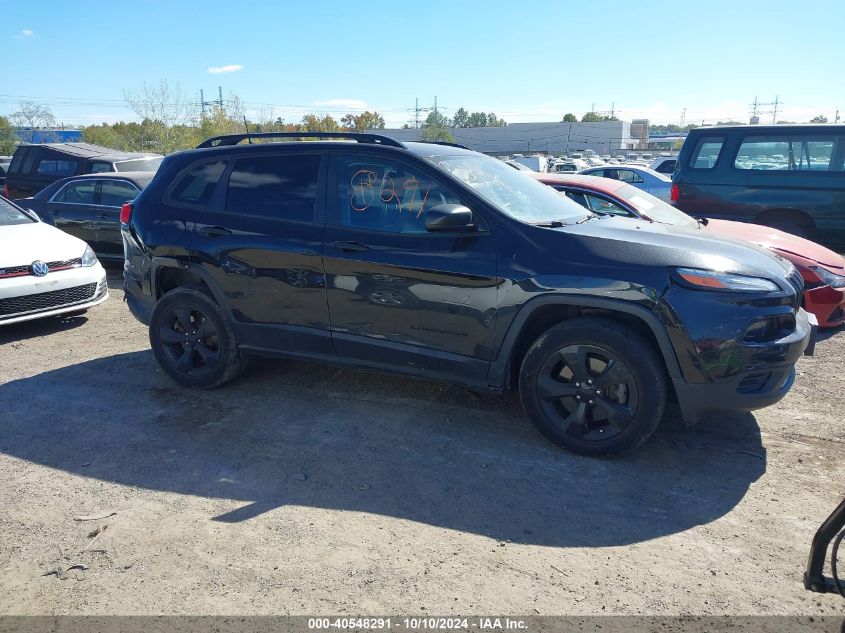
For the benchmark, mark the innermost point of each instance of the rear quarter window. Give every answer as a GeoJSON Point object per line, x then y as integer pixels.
{"type": "Point", "coordinates": [706, 152]}
{"type": "Point", "coordinates": [196, 185]}
{"type": "Point", "coordinates": [790, 152]}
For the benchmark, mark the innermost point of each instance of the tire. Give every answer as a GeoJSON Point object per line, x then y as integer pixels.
{"type": "Point", "coordinates": [621, 386]}
{"type": "Point", "coordinates": [788, 227]}
{"type": "Point", "coordinates": [207, 359]}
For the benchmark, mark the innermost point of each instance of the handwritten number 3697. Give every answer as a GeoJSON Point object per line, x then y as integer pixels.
{"type": "Point", "coordinates": [367, 187]}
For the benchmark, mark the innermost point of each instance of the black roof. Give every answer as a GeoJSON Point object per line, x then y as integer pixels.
{"type": "Point", "coordinates": [87, 150]}
{"type": "Point", "coordinates": [774, 127]}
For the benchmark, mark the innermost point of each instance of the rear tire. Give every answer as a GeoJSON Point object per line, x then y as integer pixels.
{"type": "Point", "coordinates": [192, 340]}
{"type": "Point", "coordinates": [593, 386]}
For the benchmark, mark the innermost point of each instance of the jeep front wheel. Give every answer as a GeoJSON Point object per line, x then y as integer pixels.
{"type": "Point", "coordinates": [593, 386]}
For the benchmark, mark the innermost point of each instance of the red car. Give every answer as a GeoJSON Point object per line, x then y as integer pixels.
{"type": "Point", "coordinates": [822, 269]}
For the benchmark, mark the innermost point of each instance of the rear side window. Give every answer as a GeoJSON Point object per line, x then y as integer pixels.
{"type": "Point", "coordinates": [59, 168]}
{"type": "Point", "coordinates": [280, 187]}
{"type": "Point", "coordinates": [114, 193]}
{"type": "Point", "coordinates": [197, 184]}
{"type": "Point", "coordinates": [706, 152]}
{"type": "Point", "coordinates": [794, 152]}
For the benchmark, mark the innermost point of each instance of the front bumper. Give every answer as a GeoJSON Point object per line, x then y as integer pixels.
{"type": "Point", "coordinates": [759, 385]}
{"type": "Point", "coordinates": [26, 298]}
{"type": "Point", "coordinates": [827, 303]}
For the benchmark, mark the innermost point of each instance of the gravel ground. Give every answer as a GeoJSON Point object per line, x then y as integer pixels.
{"type": "Point", "coordinates": [307, 489]}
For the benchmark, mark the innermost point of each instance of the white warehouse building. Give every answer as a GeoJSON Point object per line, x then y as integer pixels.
{"type": "Point", "coordinates": [553, 138]}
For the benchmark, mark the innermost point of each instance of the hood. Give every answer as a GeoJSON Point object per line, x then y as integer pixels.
{"type": "Point", "coordinates": [640, 243]}
{"type": "Point", "coordinates": [785, 243]}
{"type": "Point", "coordinates": [22, 244]}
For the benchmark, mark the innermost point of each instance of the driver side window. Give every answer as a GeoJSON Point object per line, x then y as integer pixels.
{"type": "Point", "coordinates": [384, 195]}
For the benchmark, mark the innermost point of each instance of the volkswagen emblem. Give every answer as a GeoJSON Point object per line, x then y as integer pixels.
{"type": "Point", "coordinates": [39, 268]}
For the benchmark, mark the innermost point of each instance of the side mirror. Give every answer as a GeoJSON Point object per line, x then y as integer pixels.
{"type": "Point", "coordinates": [448, 217]}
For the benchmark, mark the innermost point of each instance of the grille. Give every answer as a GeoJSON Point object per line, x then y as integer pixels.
{"type": "Point", "coordinates": [47, 300]}
{"type": "Point", "coordinates": [798, 283]}
{"type": "Point", "coordinates": [20, 271]}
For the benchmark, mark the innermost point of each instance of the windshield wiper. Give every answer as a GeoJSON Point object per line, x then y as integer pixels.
{"type": "Point", "coordinates": [551, 224]}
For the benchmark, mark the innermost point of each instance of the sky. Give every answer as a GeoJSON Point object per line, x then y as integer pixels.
{"type": "Point", "coordinates": [526, 61]}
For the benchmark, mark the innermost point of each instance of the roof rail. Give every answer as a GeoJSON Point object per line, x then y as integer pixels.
{"type": "Point", "coordinates": [234, 139]}
{"type": "Point", "coordinates": [447, 143]}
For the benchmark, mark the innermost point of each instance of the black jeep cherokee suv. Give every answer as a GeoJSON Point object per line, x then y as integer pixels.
{"type": "Point", "coordinates": [436, 261]}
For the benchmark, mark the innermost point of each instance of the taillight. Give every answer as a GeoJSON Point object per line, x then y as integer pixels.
{"type": "Point", "coordinates": [125, 213]}
{"type": "Point", "coordinates": [675, 193]}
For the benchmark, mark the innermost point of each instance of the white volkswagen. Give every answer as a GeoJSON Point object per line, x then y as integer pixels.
{"type": "Point", "coordinates": [43, 271]}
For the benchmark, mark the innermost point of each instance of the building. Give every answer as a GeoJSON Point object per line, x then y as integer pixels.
{"type": "Point", "coordinates": [552, 138]}
{"type": "Point", "coordinates": [41, 135]}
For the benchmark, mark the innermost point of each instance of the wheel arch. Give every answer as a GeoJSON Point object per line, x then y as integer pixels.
{"type": "Point", "coordinates": [794, 216]}
{"type": "Point", "coordinates": [168, 273]}
{"type": "Point", "coordinates": [540, 313]}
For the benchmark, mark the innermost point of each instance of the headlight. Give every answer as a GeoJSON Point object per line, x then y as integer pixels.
{"type": "Point", "coordinates": [710, 280]}
{"type": "Point", "coordinates": [831, 279]}
{"type": "Point", "coordinates": [88, 257]}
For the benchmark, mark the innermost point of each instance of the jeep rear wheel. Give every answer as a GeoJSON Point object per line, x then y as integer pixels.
{"type": "Point", "coordinates": [593, 386]}
{"type": "Point", "coordinates": [192, 340]}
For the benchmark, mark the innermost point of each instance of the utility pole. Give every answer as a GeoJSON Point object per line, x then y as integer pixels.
{"type": "Point", "coordinates": [417, 114]}
{"type": "Point", "coordinates": [754, 108]}
{"type": "Point", "coordinates": [836, 119]}
{"type": "Point", "coordinates": [683, 118]}
{"type": "Point", "coordinates": [218, 102]}
{"type": "Point", "coordinates": [435, 105]}
{"type": "Point", "coordinates": [612, 109]}
{"type": "Point", "coordinates": [775, 111]}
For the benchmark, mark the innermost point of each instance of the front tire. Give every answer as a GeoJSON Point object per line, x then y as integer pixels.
{"type": "Point", "coordinates": [593, 386]}
{"type": "Point", "coordinates": [193, 341]}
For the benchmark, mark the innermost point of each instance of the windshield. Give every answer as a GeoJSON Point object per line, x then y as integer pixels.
{"type": "Point", "coordinates": [9, 214]}
{"type": "Point", "coordinates": [140, 164]}
{"type": "Point", "coordinates": [654, 208]}
{"type": "Point", "coordinates": [514, 193]}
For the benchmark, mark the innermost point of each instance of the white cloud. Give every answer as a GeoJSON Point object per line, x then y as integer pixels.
{"type": "Point", "coordinates": [25, 33]}
{"type": "Point", "coordinates": [231, 68]}
{"type": "Point", "coordinates": [342, 104]}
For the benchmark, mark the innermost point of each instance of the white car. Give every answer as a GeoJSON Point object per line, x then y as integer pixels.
{"type": "Point", "coordinates": [43, 271]}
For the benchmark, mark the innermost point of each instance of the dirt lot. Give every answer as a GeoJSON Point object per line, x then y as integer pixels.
{"type": "Point", "coordinates": [308, 489]}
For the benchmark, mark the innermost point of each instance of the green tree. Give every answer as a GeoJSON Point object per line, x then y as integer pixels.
{"type": "Point", "coordinates": [595, 117]}
{"type": "Point", "coordinates": [168, 116]}
{"type": "Point", "coordinates": [477, 119]}
{"type": "Point", "coordinates": [313, 123]}
{"type": "Point", "coordinates": [461, 118]}
{"type": "Point", "coordinates": [570, 118]}
{"type": "Point", "coordinates": [8, 139]}
{"type": "Point", "coordinates": [494, 121]}
{"type": "Point", "coordinates": [436, 128]}
{"type": "Point", "coordinates": [365, 121]}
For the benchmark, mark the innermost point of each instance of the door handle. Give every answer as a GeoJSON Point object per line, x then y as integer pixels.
{"type": "Point", "coordinates": [350, 247]}
{"type": "Point", "coordinates": [214, 231]}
